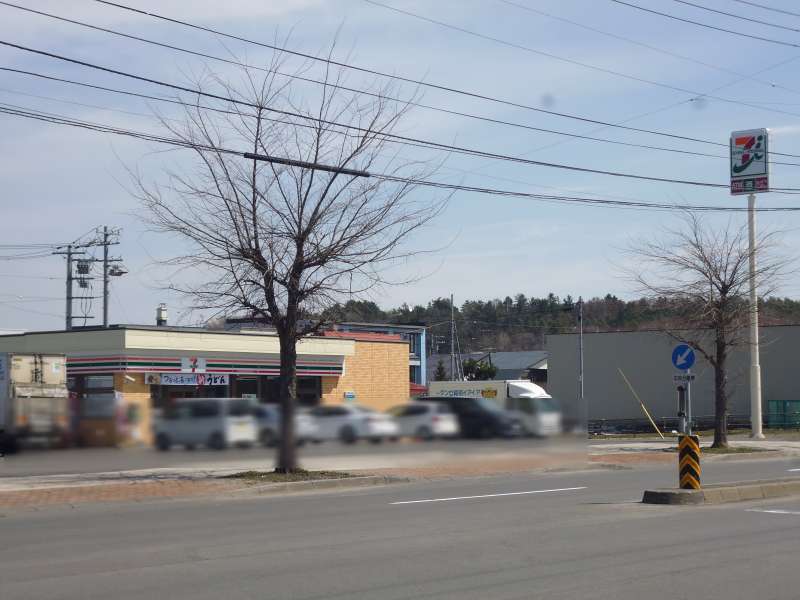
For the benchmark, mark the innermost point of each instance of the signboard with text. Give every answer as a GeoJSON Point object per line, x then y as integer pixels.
{"type": "Point", "coordinates": [749, 162]}
{"type": "Point", "coordinates": [187, 379]}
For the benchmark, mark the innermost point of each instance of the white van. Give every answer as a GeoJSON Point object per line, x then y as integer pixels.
{"type": "Point", "coordinates": [213, 422]}
{"type": "Point", "coordinates": [538, 412]}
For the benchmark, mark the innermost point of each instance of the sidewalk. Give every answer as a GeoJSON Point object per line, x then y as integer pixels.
{"type": "Point", "coordinates": [173, 482]}
{"type": "Point", "coordinates": [185, 481]}
{"type": "Point", "coordinates": [785, 447]}
{"type": "Point", "coordinates": [656, 451]}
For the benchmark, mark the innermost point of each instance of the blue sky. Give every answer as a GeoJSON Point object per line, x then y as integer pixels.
{"type": "Point", "coordinates": [59, 182]}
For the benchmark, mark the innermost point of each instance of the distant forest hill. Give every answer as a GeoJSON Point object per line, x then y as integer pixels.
{"type": "Point", "coordinates": [521, 323]}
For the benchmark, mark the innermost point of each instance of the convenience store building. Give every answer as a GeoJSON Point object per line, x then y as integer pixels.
{"type": "Point", "coordinates": [120, 377]}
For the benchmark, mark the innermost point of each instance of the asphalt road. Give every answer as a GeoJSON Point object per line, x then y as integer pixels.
{"type": "Point", "coordinates": [568, 536]}
{"type": "Point", "coordinates": [98, 460]}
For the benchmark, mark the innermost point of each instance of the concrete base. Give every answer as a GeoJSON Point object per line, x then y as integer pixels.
{"type": "Point", "coordinates": [727, 492]}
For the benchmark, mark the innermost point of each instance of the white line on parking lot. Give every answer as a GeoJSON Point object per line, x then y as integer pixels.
{"type": "Point", "coordinates": [792, 470]}
{"type": "Point", "coordinates": [569, 489]}
{"type": "Point", "coordinates": [774, 511]}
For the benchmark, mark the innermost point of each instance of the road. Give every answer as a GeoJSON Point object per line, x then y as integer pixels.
{"type": "Point", "coordinates": [569, 535]}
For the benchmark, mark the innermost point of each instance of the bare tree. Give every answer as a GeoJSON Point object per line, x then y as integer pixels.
{"type": "Point", "coordinates": [283, 242]}
{"type": "Point", "coordinates": [703, 274]}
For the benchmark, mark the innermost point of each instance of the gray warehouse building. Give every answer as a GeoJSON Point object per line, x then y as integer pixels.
{"type": "Point", "coordinates": [645, 357]}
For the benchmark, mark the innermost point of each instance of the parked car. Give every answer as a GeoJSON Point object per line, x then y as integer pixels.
{"type": "Point", "coordinates": [213, 422]}
{"type": "Point", "coordinates": [480, 417]}
{"type": "Point", "coordinates": [268, 417]}
{"type": "Point", "coordinates": [425, 420]}
{"type": "Point", "coordinates": [351, 422]}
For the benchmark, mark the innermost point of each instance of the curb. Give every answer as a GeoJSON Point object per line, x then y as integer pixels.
{"type": "Point", "coordinates": [725, 492]}
{"type": "Point", "coordinates": [324, 484]}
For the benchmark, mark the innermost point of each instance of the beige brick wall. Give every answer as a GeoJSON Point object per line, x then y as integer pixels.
{"type": "Point", "coordinates": [377, 373]}
{"type": "Point", "coordinates": [135, 394]}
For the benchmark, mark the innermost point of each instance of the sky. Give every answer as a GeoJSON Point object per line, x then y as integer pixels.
{"type": "Point", "coordinates": [596, 59]}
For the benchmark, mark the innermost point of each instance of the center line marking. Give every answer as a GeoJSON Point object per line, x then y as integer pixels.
{"type": "Point", "coordinates": [569, 489]}
{"type": "Point", "coordinates": [774, 511]}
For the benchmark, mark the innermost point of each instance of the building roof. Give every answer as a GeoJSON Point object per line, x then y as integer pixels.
{"type": "Point", "coordinates": [364, 336]}
{"type": "Point", "coordinates": [382, 325]}
{"type": "Point", "coordinates": [521, 360]}
{"type": "Point", "coordinates": [510, 365]}
{"type": "Point", "coordinates": [145, 339]}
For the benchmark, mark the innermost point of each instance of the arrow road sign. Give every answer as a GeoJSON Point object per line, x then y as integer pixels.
{"type": "Point", "coordinates": [683, 357]}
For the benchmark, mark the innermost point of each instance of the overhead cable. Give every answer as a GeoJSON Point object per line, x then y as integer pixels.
{"type": "Point", "coordinates": [735, 16]}
{"type": "Point", "coordinates": [706, 25]}
{"type": "Point", "coordinates": [422, 182]}
{"type": "Point", "coordinates": [572, 61]}
{"type": "Point", "coordinates": [411, 80]}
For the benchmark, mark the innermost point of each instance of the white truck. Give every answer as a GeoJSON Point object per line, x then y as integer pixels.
{"type": "Point", "coordinates": [34, 401]}
{"type": "Point", "coordinates": [537, 410]}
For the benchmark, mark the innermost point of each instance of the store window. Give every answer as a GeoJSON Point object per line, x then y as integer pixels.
{"type": "Point", "coordinates": [99, 401]}
{"type": "Point", "coordinates": [247, 387]}
{"type": "Point", "coordinates": [309, 391]}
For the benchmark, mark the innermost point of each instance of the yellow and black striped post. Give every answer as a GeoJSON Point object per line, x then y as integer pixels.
{"type": "Point", "coordinates": [689, 462]}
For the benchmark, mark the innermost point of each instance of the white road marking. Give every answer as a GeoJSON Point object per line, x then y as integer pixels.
{"type": "Point", "coordinates": [774, 511]}
{"type": "Point", "coordinates": [792, 470]}
{"type": "Point", "coordinates": [569, 489]}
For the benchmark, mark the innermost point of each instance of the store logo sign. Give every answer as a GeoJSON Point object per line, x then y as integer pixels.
{"type": "Point", "coordinates": [193, 364]}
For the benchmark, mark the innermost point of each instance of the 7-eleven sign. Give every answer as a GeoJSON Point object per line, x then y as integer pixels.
{"type": "Point", "coordinates": [193, 364]}
{"type": "Point", "coordinates": [749, 161]}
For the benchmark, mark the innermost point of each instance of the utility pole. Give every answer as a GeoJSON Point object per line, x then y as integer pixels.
{"type": "Point", "coordinates": [755, 366]}
{"type": "Point", "coordinates": [105, 276]}
{"type": "Point", "coordinates": [70, 253]}
{"type": "Point", "coordinates": [452, 341]}
{"type": "Point", "coordinates": [68, 324]}
{"type": "Point", "coordinates": [111, 268]}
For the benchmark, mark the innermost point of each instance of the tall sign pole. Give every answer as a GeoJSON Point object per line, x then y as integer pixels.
{"type": "Point", "coordinates": [750, 174]}
{"type": "Point", "coordinates": [582, 409]}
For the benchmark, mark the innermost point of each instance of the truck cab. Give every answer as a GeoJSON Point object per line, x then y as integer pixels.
{"type": "Point", "coordinates": [539, 412]}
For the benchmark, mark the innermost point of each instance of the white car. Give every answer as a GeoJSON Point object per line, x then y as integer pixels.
{"type": "Point", "coordinates": [269, 425]}
{"type": "Point", "coordinates": [351, 422]}
{"type": "Point", "coordinates": [425, 420]}
{"type": "Point", "coordinates": [213, 422]}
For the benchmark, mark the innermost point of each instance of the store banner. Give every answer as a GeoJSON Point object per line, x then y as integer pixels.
{"type": "Point", "coordinates": [189, 378]}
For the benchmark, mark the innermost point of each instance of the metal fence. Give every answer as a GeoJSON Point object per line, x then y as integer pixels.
{"type": "Point", "coordinates": [699, 422]}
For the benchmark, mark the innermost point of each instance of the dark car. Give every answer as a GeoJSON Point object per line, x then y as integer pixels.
{"type": "Point", "coordinates": [480, 417]}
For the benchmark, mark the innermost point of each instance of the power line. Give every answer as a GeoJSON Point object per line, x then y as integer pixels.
{"type": "Point", "coordinates": [447, 147]}
{"type": "Point", "coordinates": [735, 16]}
{"type": "Point", "coordinates": [238, 114]}
{"type": "Point", "coordinates": [765, 7]}
{"type": "Point", "coordinates": [10, 109]}
{"type": "Point", "coordinates": [569, 60]}
{"type": "Point", "coordinates": [24, 276]}
{"type": "Point", "coordinates": [706, 25]}
{"type": "Point", "coordinates": [440, 185]}
{"type": "Point", "coordinates": [416, 82]}
{"type": "Point", "coordinates": [482, 118]}
{"type": "Point", "coordinates": [651, 47]}
{"type": "Point", "coordinates": [13, 306]}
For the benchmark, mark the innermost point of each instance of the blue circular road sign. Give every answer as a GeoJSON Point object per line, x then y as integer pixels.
{"type": "Point", "coordinates": [683, 357]}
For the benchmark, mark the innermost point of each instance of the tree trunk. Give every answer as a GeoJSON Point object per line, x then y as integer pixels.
{"type": "Point", "coordinates": [720, 397]}
{"type": "Point", "coordinates": [287, 450]}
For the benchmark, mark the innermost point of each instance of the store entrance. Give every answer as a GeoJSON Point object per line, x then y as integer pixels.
{"type": "Point", "coordinates": [309, 389]}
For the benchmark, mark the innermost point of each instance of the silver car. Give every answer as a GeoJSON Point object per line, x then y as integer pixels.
{"type": "Point", "coordinates": [425, 420]}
